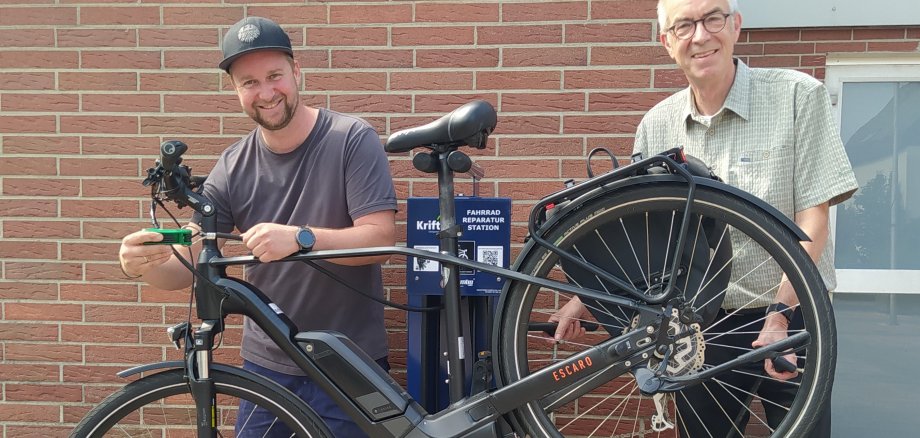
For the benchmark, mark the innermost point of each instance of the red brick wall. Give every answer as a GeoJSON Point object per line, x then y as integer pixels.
{"type": "Point", "coordinates": [88, 91]}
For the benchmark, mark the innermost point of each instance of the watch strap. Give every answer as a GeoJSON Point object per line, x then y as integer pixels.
{"type": "Point", "coordinates": [782, 309]}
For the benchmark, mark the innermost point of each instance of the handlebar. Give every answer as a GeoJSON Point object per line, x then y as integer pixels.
{"type": "Point", "coordinates": [172, 179]}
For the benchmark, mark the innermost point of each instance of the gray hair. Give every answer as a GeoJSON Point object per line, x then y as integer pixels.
{"type": "Point", "coordinates": [663, 18]}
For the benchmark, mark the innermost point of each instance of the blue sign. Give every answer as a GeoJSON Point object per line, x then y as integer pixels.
{"type": "Point", "coordinates": [485, 224]}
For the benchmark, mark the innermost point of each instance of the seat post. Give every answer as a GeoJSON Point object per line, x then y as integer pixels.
{"type": "Point", "coordinates": [448, 237]}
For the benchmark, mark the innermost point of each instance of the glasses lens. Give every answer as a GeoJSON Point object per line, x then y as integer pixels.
{"type": "Point", "coordinates": [684, 29]}
{"type": "Point", "coordinates": [714, 23]}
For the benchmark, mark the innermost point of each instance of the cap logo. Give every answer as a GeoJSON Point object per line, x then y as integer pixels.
{"type": "Point", "coordinates": [248, 33]}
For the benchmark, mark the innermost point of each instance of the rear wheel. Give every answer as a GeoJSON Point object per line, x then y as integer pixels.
{"type": "Point", "coordinates": [161, 405]}
{"type": "Point", "coordinates": [735, 258]}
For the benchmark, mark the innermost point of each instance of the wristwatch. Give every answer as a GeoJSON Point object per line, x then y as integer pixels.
{"type": "Point", "coordinates": [782, 309]}
{"type": "Point", "coordinates": [305, 238]}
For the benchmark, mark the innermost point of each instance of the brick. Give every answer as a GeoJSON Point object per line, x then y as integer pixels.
{"type": "Point", "coordinates": [817, 60]}
{"type": "Point", "coordinates": [372, 103]}
{"type": "Point", "coordinates": [89, 251]}
{"type": "Point", "coordinates": [180, 82]}
{"type": "Point", "coordinates": [893, 46]}
{"type": "Point", "coordinates": [27, 81]}
{"type": "Point", "coordinates": [456, 58]}
{"type": "Point", "coordinates": [552, 146]}
{"type": "Point", "coordinates": [44, 393]}
{"type": "Point", "coordinates": [519, 34]}
{"type": "Point", "coordinates": [46, 352]}
{"type": "Point", "coordinates": [669, 78]}
{"type": "Point", "coordinates": [775, 61]}
{"type": "Point", "coordinates": [27, 59]}
{"type": "Point", "coordinates": [28, 38]}
{"type": "Point", "coordinates": [99, 209]}
{"type": "Point", "coordinates": [178, 37]}
{"type": "Point", "coordinates": [459, 12]}
{"type": "Point", "coordinates": [17, 249]}
{"type": "Point", "coordinates": [27, 124]}
{"type": "Point", "coordinates": [114, 188]}
{"type": "Point", "coordinates": [631, 101]}
{"type": "Point", "coordinates": [38, 431]}
{"type": "Point", "coordinates": [442, 103]}
{"type": "Point", "coordinates": [433, 36]}
{"type": "Point", "coordinates": [129, 313]}
{"type": "Point", "coordinates": [626, 78]}
{"type": "Point", "coordinates": [826, 34]}
{"type": "Point", "coordinates": [82, 292]}
{"type": "Point", "coordinates": [366, 58]}
{"type": "Point", "coordinates": [43, 271]}
{"type": "Point", "coordinates": [431, 80]}
{"type": "Point", "coordinates": [774, 35]}
{"type": "Point", "coordinates": [507, 80]}
{"type": "Point", "coordinates": [180, 125]}
{"type": "Point", "coordinates": [40, 102]}
{"type": "Point", "coordinates": [120, 15]}
{"type": "Point", "coordinates": [191, 58]}
{"type": "Point", "coordinates": [40, 229]}
{"type": "Point", "coordinates": [131, 145]}
{"type": "Point", "coordinates": [610, 33]}
{"type": "Point", "coordinates": [126, 355]}
{"type": "Point", "coordinates": [880, 34]}
{"type": "Point", "coordinates": [522, 168]}
{"type": "Point", "coordinates": [133, 103]}
{"type": "Point", "coordinates": [607, 124]}
{"type": "Point", "coordinates": [300, 14]}
{"type": "Point", "coordinates": [542, 102]}
{"type": "Point", "coordinates": [92, 374]}
{"type": "Point", "coordinates": [623, 9]}
{"type": "Point", "coordinates": [201, 103]}
{"type": "Point", "coordinates": [57, 145]}
{"type": "Point", "coordinates": [630, 55]}
{"type": "Point", "coordinates": [312, 59]}
{"type": "Point", "coordinates": [21, 331]}
{"type": "Point", "coordinates": [45, 15]}
{"type": "Point", "coordinates": [43, 312]}
{"type": "Point", "coordinates": [528, 125]}
{"type": "Point", "coordinates": [352, 81]}
{"type": "Point", "coordinates": [913, 33]}
{"type": "Point", "coordinates": [544, 57]}
{"type": "Point", "coordinates": [788, 48]}
{"type": "Point", "coordinates": [40, 187]}
{"type": "Point", "coordinates": [347, 36]}
{"type": "Point", "coordinates": [527, 190]}
{"type": "Point", "coordinates": [554, 11]}
{"type": "Point", "coordinates": [220, 15]}
{"type": "Point", "coordinates": [94, 38]}
{"type": "Point", "coordinates": [104, 81]}
{"type": "Point", "coordinates": [854, 46]}
{"type": "Point", "coordinates": [28, 166]}
{"type": "Point", "coordinates": [23, 290]}
{"type": "Point", "coordinates": [134, 59]}
{"type": "Point", "coordinates": [358, 14]}
{"type": "Point", "coordinates": [22, 412]}
{"type": "Point", "coordinates": [108, 334]}
{"type": "Point", "coordinates": [99, 124]}
{"type": "Point", "coordinates": [749, 49]}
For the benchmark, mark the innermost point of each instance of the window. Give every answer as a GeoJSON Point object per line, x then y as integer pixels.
{"type": "Point", "coordinates": [877, 302]}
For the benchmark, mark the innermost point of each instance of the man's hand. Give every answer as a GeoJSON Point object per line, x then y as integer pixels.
{"type": "Point", "coordinates": [775, 328]}
{"type": "Point", "coordinates": [270, 242]}
{"type": "Point", "coordinates": [568, 317]}
{"type": "Point", "coordinates": [136, 258]}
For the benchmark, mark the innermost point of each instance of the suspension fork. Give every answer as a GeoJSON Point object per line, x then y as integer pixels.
{"type": "Point", "coordinates": [198, 370]}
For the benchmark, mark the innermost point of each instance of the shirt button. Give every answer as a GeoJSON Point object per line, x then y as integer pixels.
{"type": "Point", "coordinates": [710, 132]}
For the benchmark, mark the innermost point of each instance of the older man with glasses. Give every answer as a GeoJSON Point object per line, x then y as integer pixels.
{"type": "Point", "coordinates": [770, 132]}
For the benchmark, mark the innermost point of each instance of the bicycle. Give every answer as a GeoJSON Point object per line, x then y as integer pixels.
{"type": "Point", "coordinates": [613, 240]}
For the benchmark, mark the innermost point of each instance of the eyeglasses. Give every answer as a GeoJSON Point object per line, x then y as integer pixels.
{"type": "Point", "coordinates": [713, 23]}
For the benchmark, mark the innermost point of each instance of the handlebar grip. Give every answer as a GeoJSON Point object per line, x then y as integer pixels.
{"type": "Point", "coordinates": [171, 154]}
{"type": "Point", "coordinates": [782, 364]}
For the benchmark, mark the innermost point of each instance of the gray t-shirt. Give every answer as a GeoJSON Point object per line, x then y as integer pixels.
{"type": "Point", "coordinates": [337, 175]}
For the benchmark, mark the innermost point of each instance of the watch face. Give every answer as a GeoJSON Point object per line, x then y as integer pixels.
{"type": "Point", "coordinates": [306, 239]}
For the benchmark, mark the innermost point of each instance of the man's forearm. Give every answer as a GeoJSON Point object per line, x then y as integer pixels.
{"type": "Point", "coordinates": [814, 222]}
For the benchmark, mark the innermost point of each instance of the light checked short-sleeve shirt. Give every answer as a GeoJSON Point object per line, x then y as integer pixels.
{"type": "Point", "coordinates": [776, 138]}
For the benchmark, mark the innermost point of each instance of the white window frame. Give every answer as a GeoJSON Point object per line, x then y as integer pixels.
{"type": "Point", "coordinates": [871, 68]}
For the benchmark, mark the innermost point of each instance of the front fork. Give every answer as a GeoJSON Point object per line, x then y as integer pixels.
{"type": "Point", "coordinates": [198, 370]}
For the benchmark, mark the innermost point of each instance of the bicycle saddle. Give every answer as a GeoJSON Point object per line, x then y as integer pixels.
{"type": "Point", "coordinates": [470, 125]}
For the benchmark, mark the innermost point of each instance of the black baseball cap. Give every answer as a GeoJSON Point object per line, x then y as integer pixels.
{"type": "Point", "coordinates": [252, 34]}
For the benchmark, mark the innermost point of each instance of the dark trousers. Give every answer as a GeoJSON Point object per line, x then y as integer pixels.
{"type": "Point", "coordinates": [721, 410]}
{"type": "Point", "coordinates": [261, 423]}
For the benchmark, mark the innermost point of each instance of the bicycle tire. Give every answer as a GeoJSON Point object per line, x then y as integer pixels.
{"type": "Point", "coordinates": [518, 353]}
{"type": "Point", "coordinates": [161, 405]}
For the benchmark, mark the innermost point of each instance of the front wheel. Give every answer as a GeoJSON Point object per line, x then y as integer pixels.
{"type": "Point", "coordinates": [160, 405]}
{"type": "Point", "coordinates": [734, 261]}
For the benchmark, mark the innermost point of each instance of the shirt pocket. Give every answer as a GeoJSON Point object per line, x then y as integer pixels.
{"type": "Point", "coordinates": [765, 172]}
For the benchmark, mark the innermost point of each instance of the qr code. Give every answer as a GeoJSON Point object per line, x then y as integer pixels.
{"type": "Point", "coordinates": [490, 255]}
